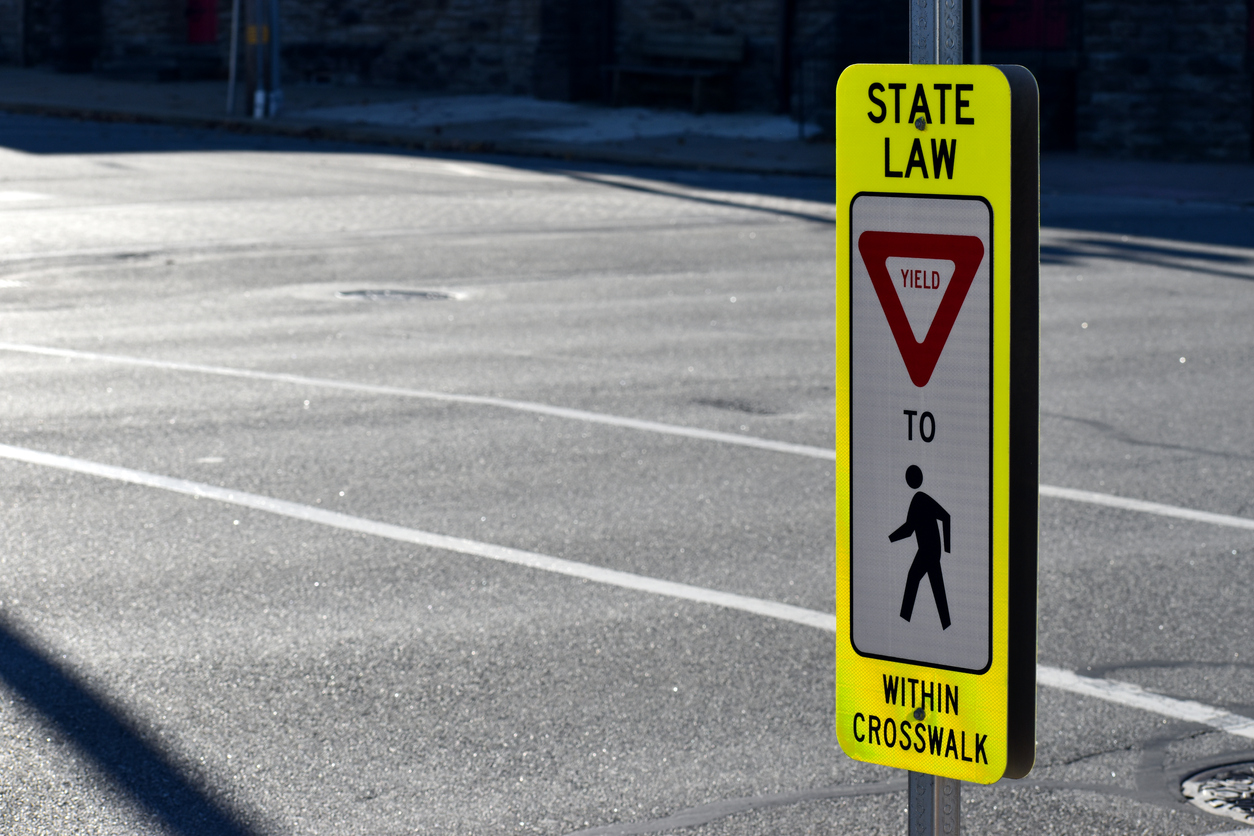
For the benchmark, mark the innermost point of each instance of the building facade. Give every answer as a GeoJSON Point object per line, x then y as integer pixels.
{"type": "Point", "coordinates": [1144, 78]}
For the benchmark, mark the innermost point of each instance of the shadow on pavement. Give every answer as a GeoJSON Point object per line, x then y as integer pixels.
{"type": "Point", "coordinates": [1206, 219]}
{"type": "Point", "coordinates": [116, 746]}
{"type": "Point", "coordinates": [1074, 247]}
{"type": "Point", "coordinates": [1149, 252]}
{"type": "Point", "coordinates": [51, 135]}
{"type": "Point", "coordinates": [1198, 222]}
{"type": "Point", "coordinates": [640, 187]}
{"type": "Point", "coordinates": [45, 135]}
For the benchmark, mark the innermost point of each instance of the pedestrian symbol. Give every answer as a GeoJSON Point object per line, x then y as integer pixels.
{"type": "Point", "coordinates": [921, 521]}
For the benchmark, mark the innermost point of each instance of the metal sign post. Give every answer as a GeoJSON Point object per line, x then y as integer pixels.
{"type": "Point", "coordinates": [274, 101]}
{"type": "Point", "coordinates": [935, 805]}
{"type": "Point", "coordinates": [936, 416]}
{"type": "Point", "coordinates": [935, 31]}
{"type": "Point", "coordinates": [262, 38]}
{"type": "Point", "coordinates": [234, 59]}
{"type": "Point", "coordinates": [935, 38]}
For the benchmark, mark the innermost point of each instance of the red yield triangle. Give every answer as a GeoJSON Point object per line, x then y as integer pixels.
{"type": "Point", "coordinates": [965, 251]}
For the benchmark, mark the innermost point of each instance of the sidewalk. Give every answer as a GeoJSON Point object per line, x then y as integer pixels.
{"type": "Point", "coordinates": [752, 142]}
{"type": "Point", "coordinates": [746, 142]}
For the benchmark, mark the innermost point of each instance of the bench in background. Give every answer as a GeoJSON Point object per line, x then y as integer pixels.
{"type": "Point", "coordinates": [703, 58]}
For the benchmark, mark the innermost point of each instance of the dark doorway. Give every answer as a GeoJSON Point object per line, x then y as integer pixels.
{"type": "Point", "coordinates": [81, 22]}
{"type": "Point", "coordinates": [1044, 36]}
{"type": "Point", "coordinates": [825, 40]}
{"type": "Point", "coordinates": [202, 21]}
{"type": "Point", "coordinates": [61, 33]}
{"type": "Point", "coordinates": [592, 47]}
{"type": "Point", "coordinates": [576, 40]}
{"type": "Point", "coordinates": [39, 19]}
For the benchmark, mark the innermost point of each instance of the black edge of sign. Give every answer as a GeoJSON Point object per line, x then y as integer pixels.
{"type": "Point", "coordinates": [1024, 417]}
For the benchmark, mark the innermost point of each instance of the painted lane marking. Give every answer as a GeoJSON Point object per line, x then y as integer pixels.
{"type": "Point", "coordinates": [346, 522]}
{"type": "Point", "coordinates": [479, 400]}
{"type": "Point", "coordinates": [1134, 696]}
{"type": "Point", "coordinates": [808, 451]}
{"type": "Point", "coordinates": [1120, 693]}
{"type": "Point", "coordinates": [22, 197]}
{"type": "Point", "coordinates": [1126, 504]}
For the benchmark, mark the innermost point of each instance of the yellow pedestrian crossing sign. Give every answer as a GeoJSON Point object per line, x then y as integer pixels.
{"type": "Point", "coordinates": [936, 417]}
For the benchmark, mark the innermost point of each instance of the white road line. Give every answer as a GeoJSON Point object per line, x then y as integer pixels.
{"type": "Point", "coordinates": [1121, 693]}
{"type": "Point", "coordinates": [593, 417]}
{"type": "Point", "coordinates": [21, 197]}
{"type": "Point", "coordinates": [1134, 696]}
{"type": "Point", "coordinates": [479, 400]}
{"type": "Point", "coordinates": [1111, 501]}
{"type": "Point", "coordinates": [1072, 494]}
{"type": "Point", "coordinates": [346, 522]}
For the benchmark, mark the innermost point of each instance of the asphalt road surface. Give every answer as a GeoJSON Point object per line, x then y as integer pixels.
{"type": "Point", "coordinates": [353, 492]}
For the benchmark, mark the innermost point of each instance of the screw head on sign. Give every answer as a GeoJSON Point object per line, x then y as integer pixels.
{"type": "Point", "coordinates": [919, 713]}
{"type": "Point", "coordinates": [920, 123]}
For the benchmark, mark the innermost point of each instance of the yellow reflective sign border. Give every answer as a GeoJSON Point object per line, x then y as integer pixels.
{"type": "Point", "coordinates": [976, 137]}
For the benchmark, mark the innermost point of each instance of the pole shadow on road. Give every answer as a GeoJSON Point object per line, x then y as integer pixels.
{"type": "Point", "coordinates": [1224, 225]}
{"type": "Point", "coordinates": [1074, 247]}
{"type": "Point", "coordinates": [112, 742]}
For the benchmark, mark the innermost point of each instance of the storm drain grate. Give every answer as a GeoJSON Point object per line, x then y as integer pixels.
{"type": "Point", "coordinates": [1224, 790]}
{"type": "Point", "coordinates": [387, 295]}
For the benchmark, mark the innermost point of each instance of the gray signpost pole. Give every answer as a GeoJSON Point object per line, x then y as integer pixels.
{"type": "Point", "coordinates": [274, 101]}
{"type": "Point", "coordinates": [935, 38]}
{"type": "Point", "coordinates": [935, 31]}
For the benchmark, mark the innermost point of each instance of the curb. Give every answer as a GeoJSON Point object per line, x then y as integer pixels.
{"type": "Point", "coordinates": [391, 138]}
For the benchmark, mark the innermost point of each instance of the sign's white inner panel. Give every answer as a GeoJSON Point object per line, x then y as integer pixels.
{"type": "Point", "coordinates": [939, 432]}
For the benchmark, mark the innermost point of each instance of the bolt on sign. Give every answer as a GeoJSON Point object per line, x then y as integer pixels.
{"type": "Point", "coordinates": [936, 415]}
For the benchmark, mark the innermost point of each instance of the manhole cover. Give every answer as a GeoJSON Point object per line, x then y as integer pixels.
{"type": "Point", "coordinates": [1224, 791]}
{"type": "Point", "coordinates": [396, 295]}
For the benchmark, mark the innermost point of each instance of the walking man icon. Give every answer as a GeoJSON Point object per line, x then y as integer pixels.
{"type": "Point", "coordinates": [921, 521]}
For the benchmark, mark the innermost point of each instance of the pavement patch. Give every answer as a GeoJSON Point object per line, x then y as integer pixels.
{"type": "Point", "coordinates": [394, 295]}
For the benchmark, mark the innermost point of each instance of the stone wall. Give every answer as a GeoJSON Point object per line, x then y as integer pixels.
{"type": "Point", "coordinates": [458, 46]}
{"type": "Point", "coordinates": [1166, 79]}
{"type": "Point", "coordinates": [1044, 36]}
{"type": "Point", "coordinates": [817, 58]}
{"type": "Point", "coordinates": [40, 33]}
{"type": "Point", "coordinates": [11, 13]}
{"type": "Point", "coordinates": [133, 27]}
{"type": "Point", "coordinates": [1142, 78]}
